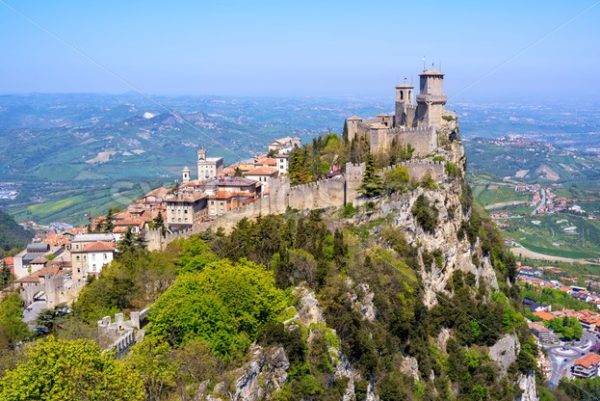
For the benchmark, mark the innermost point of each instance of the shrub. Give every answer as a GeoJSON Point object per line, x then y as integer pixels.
{"type": "Point", "coordinates": [452, 170]}
{"type": "Point", "coordinates": [426, 214]}
{"type": "Point", "coordinates": [428, 182]}
{"type": "Point", "coordinates": [397, 179]}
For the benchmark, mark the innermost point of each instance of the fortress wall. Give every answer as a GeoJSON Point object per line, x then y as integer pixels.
{"type": "Point", "coordinates": [319, 194]}
{"type": "Point", "coordinates": [230, 219]}
{"type": "Point", "coordinates": [331, 192]}
{"type": "Point", "coordinates": [423, 140]}
{"type": "Point", "coordinates": [354, 175]}
{"type": "Point", "coordinates": [417, 169]}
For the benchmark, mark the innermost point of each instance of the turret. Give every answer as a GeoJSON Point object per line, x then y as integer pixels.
{"type": "Point", "coordinates": [404, 94]}
{"type": "Point", "coordinates": [431, 98]}
{"type": "Point", "coordinates": [202, 154]}
{"type": "Point", "coordinates": [185, 175]}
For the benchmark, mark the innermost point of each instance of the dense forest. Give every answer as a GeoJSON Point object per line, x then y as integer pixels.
{"type": "Point", "coordinates": [12, 235]}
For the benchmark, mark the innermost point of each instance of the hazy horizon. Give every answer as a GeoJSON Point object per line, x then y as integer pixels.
{"type": "Point", "coordinates": [499, 52]}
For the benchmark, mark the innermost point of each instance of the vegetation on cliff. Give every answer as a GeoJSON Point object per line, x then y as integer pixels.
{"type": "Point", "coordinates": [12, 235]}
{"type": "Point", "coordinates": [347, 299]}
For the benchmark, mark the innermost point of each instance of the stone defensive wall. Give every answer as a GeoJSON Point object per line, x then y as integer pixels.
{"type": "Point", "coordinates": [422, 139]}
{"type": "Point", "coordinates": [331, 192]}
{"type": "Point", "coordinates": [418, 169]}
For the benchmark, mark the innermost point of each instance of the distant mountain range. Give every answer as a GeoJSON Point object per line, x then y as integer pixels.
{"type": "Point", "coordinates": [65, 156]}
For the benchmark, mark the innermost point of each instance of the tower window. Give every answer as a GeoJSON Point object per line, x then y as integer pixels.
{"type": "Point", "coordinates": [401, 95]}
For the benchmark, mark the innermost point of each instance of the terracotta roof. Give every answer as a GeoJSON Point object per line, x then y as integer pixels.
{"type": "Point", "coordinates": [266, 161]}
{"type": "Point", "coordinates": [589, 360]}
{"type": "Point", "coordinates": [540, 328]}
{"type": "Point", "coordinates": [99, 246]}
{"type": "Point", "coordinates": [53, 269]}
{"type": "Point", "coordinates": [158, 192]}
{"type": "Point", "coordinates": [9, 261]}
{"type": "Point", "coordinates": [231, 182]}
{"type": "Point", "coordinates": [229, 195]}
{"type": "Point", "coordinates": [354, 118]}
{"type": "Point", "coordinates": [544, 315]}
{"type": "Point", "coordinates": [262, 171]}
{"type": "Point", "coordinates": [39, 260]}
{"type": "Point", "coordinates": [193, 197]}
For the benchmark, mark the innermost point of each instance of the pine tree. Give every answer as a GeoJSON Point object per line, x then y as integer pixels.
{"type": "Point", "coordinates": [372, 184]}
{"type": "Point", "coordinates": [109, 223]}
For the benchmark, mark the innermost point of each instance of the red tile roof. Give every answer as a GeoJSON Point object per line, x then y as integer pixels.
{"type": "Point", "coordinates": [99, 246]}
{"type": "Point", "coordinates": [588, 361]}
{"type": "Point", "coordinates": [261, 171]}
{"type": "Point", "coordinates": [544, 315]}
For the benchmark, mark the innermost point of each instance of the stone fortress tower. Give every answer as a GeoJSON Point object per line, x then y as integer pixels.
{"type": "Point", "coordinates": [431, 99]}
{"type": "Point", "coordinates": [410, 125]}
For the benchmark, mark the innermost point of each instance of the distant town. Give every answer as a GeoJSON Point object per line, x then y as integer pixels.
{"type": "Point", "coordinates": [567, 355]}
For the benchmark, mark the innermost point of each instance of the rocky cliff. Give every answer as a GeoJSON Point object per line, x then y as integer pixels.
{"type": "Point", "coordinates": [409, 296]}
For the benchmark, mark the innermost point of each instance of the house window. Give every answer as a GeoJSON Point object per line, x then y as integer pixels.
{"type": "Point", "coordinates": [77, 257]}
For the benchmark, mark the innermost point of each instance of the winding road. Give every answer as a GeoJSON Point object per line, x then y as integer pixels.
{"type": "Point", "coordinates": [563, 355]}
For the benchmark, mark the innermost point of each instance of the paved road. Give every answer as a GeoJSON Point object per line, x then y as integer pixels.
{"type": "Point", "coordinates": [31, 313]}
{"type": "Point", "coordinates": [562, 356]}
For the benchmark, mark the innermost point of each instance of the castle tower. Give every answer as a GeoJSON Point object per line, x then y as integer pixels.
{"type": "Point", "coordinates": [404, 104]}
{"type": "Point", "coordinates": [185, 175]}
{"type": "Point", "coordinates": [352, 125]}
{"type": "Point", "coordinates": [431, 99]}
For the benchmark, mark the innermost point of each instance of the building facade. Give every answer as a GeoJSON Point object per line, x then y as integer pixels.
{"type": "Point", "coordinates": [208, 167]}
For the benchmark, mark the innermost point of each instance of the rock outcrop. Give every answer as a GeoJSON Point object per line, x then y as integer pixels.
{"type": "Point", "coordinates": [505, 351]}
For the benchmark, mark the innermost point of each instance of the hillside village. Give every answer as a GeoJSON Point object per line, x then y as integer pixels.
{"type": "Point", "coordinates": [52, 270]}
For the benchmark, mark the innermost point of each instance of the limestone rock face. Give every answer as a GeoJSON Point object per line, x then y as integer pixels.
{"type": "Point", "coordinates": [505, 351]}
{"type": "Point", "coordinates": [410, 367]}
{"type": "Point", "coordinates": [309, 310]}
{"type": "Point", "coordinates": [457, 253]}
{"type": "Point", "coordinates": [265, 373]}
{"type": "Point", "coordinates": [363, 302]}
{"type": "Point", "coordinates": [527, 384]}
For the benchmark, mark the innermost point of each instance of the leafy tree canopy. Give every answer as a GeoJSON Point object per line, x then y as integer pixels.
{"type": "Point", "coordinates": [61, 370]}
{"type": "Point", "coordinates": [224, 305]}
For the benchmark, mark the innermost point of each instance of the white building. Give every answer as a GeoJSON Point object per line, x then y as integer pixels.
{"type": "Point", "coordinates": [282, 163]}
{"type": "Point", "coordinates": [97, 255]}
{"type": "Point", "coordinates": [262, 175]}
{"type": "Point", "coordinates": [284, 145]}
{"type": "Point", "coordinates": [208, 167]}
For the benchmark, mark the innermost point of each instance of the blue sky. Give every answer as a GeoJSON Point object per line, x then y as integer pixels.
{"type": "Point", "coordinates": [505, 50]}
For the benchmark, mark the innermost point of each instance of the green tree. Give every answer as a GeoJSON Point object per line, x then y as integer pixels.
{"type": "Point", "coordinates": [372, 184]}
{"type": "Point", "coordinates": [61, 370]}
{"type": "Point", "coordinates": [152, 360]}
{"type": "Point", "coordinates": [12, 327]}
{"type": "Point", "coordinates": [159, 222]}
{"type": "Point", "coordinates": [397, 179]}
{"type": "Point", "coordinates": [225, 305]}
{"type": "Point", "coordinates": [131, 243]}
{"type": "Point", "coordinates": [426, 214]}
